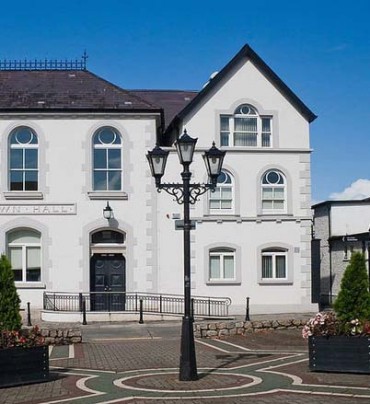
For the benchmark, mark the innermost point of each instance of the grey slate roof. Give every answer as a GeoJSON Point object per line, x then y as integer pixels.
{"type": "Point", "coordinates": [172, 101]}
{"type": "Point", "coordinates": [76, 90]}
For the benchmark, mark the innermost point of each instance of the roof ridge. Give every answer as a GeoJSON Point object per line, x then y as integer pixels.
{"type": "Point", "coordinates": [163, 90]}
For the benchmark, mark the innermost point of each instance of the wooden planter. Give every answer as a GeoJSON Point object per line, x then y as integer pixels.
{"type": "Point", "coordinates": [339, 353]}
{"type": "Point", "coordinates": [23, 365]}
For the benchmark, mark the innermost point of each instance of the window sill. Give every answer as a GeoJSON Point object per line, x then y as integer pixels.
{"type": "Point", "coordinates": [223, 282]}
{"type": "Point", "coordinates": [221, 213]}
{"type": "Point", "coordinates": [275, 282]}
{"type": "Point", "coordinates": [30, 285]}
{"type": "Point", "coordinates": [275, 213]}
{"type": "Point", "coordinates": [107, 195]}
{"type": "Point", "coordinates": [23, 195]}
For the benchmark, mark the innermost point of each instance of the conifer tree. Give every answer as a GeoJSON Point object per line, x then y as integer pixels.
{"type": "Point", "coordinates": [353, 301]}
{"type": "Point", "coordinates": [10, 319]}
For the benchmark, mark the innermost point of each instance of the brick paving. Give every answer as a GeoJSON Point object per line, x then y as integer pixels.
{"type": "Point", "coordinates": [275, 370]}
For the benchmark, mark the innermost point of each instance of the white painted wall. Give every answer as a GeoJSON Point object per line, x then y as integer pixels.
{"type": "Point", "coordinates": [350, 219]}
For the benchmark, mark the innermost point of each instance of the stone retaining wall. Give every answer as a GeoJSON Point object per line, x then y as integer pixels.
{"type": "Point", "coordinates": [220, 329]}
{"type": "Point", "coordinates": [62, 336]}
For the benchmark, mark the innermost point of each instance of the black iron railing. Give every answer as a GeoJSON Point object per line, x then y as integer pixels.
{"type": "Point", "coordinates": [44, 64]}
{"type": "Point", "coordinates": [130, 301]}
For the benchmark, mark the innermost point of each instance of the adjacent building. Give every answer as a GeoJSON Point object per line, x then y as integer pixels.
{"type": "Point", "coordinates": [70, 142]}
{"type": "Point", "coordinates": [340, 227]}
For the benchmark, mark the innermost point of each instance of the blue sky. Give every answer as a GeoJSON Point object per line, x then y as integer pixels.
{"type": "Point", "coordinates": [320, 49]}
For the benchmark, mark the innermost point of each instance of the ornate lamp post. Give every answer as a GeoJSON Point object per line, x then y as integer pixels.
{"type": "Point", "coordinates": [186, 194]}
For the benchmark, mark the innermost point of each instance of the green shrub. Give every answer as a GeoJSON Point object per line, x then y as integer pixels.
{"type": "Point", "coordinates": [353, 301]}
{"type": "Point", "coordinates": [10, 319]}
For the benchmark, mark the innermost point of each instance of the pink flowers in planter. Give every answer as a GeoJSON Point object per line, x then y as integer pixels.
{"type": "Point", "coordinates": [24, 338]}
{"type": "Point", "coordinates": [326, 324]}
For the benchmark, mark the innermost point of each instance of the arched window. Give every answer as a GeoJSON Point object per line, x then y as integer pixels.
{"type": "Point", "coordinates": [221, 264]}
{"type": "Point", "coordinates": [107, 160]}
{"type": "Point", "coordinates": [23, 160]}
{"type": "Point", "coordinates": [24, 252]}
{"type": "Point", "coordinates": [246, 128]}
{"type": "Point", "coordinates": [107, 237]}
{"type": "Point", "coordinates": [273, 192]}
{"type": "Point", "coordinates": [221, 200]}
{"type": "Point", "coordinates": [274, 264]}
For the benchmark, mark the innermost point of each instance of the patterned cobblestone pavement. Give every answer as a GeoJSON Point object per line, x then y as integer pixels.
{"type": "Point", "coordinates": [269, 367]}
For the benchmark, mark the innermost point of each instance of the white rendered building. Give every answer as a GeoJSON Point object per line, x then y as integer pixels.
{"type": "Point", "coordinates": [71, 141]}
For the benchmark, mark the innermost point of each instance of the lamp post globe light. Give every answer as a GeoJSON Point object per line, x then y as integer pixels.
{"type": "Point", "coordinates": [186, 193]}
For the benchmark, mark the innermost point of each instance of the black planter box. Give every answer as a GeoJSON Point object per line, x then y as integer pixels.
{"type": "Point", "coordinates": [23, 365]}
{"type": "Point", "coordinates": [339, 353]}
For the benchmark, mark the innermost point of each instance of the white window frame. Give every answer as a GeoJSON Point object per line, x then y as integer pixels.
{"type": "Point", "coordinates": [274, 253]}
{"type": "Point", "coordinates": [221, 253]}
{"type": "Point", "coordinates": [106, 147]}
{"type": "Point", "coordinates": [218, 190]}
{"type": "Point", "coordinates": [23, 147]}
{"type": "Point", "coordinates": [24, 247]}
{"type": "Point", "coordinates": [273, 199]}
{"type": "Point", "coordinates": [252, 113]}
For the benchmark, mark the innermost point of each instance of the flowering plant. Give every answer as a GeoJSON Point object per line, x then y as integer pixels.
{"type": "Point", "coordinates": [326, 324]}
{"type": "Point", "coordinates": [24, 338]}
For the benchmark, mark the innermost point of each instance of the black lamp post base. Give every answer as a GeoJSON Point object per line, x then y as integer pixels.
{"type": "Point", "coordinates": [188, 362]}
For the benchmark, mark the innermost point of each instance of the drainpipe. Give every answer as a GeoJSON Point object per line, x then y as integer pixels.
{"type": "Point", "coordinates": [330, 258]}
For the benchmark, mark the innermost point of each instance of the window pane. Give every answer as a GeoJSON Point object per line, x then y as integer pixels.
{"type": "Point", "coordinates": [226, 193]}
{"type": "Point", "coordinates": [224, 123]}
{"type": "Point", "coordinates": [114, 158]}
{"type": "Point", "coordinates": [114, 180]}
{"type": "Point", "coordinates": [16, 180]}
{"type": "Point", "coordinates": [266, 205]}
{"type": "Point", "coordinates": [100, 158]}
{"type": "Point", "coordinates": [266, 139]}
{"type": "Point", "coordinates": [100, 181]}
{"type": "Point", "coordinates": [30, 158]}
{"type": "Point", "coordinates": [33, 257]}
{"type": "Point", "coordinates": [266, 127]}
{"type": "Point", "coordinates": [31, 181]}
{"type": "Point", "coordinates": [18, 276]}
{"type": "Point", "coordinates": [279, 193]}
{"type": "Point", "coordinates": [245, 139]}
{"type": "Point", "coordinates": [225, 138]}
{"type": "Point", "coordinates": [106, 136]}
{"type": "Point", "coordinates": [273, 177]}
{"type": "Point", "coordinates": [280, 266]}
{"type": "Point", "coordinates": [214, 204]}
{"type": "Point", "coordinates": [33, 275]}
{"type": "Point", "coordinates": [266, 266]}
{"type": "Point", "coordinates": [229, 267]}
{"type": "Point", "coordinates": [25, 136]}
{"type": "Point", "coordinates": [226, 205]}
{"type": "Point", "coordinates": [246, 124]}
{"type": "Point", "coordinates": [16, 158]}
{"type": "Point", "coordinates": [267, 193]}
{"type": "Point", "coordinates": [24, 236]}
{"type": "Point", "coordinates": [278, 204]}
{"type": "Point", "coordinates": [216, 194]}
{"type": "Point", "coordinates": [214, 267]}
{"type": "Point", "coordinates": [33, 270]}
{"type": "Point", "coordinates": [15, 256]}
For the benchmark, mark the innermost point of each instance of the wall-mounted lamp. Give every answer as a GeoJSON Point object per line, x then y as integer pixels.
{"type": "Point", "coordinates": [108, 212]}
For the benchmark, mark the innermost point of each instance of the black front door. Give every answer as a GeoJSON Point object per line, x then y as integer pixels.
{"type": "Point", "coordinates": [108, 282]}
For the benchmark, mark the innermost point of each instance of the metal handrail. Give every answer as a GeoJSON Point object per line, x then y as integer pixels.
{"type": "Point", "coordinates": [162, 303]}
